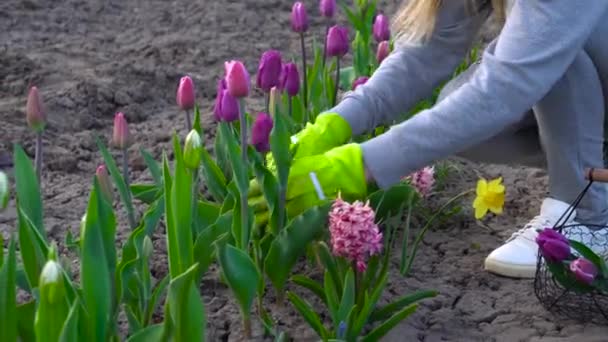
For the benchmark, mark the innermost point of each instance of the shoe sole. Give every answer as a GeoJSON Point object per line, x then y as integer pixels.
{"type": "Point", "coordinates": [510, 270]}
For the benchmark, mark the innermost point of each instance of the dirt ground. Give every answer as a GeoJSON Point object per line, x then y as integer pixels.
{"type": "Point", "coordinates": [93, 58]}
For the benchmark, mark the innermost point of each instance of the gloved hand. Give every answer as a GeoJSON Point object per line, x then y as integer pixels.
{"type": "Point", "coordinates": [329, 130]}
{"type": "Point", "coordinates": [338, 170]}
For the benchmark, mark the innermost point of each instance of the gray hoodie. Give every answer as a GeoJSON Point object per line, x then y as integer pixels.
{"type": "Point", "coordinates": [539, 41]}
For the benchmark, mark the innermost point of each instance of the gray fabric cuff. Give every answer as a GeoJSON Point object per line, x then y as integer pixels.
{"type": "Point", "coordinates": [385, 173]}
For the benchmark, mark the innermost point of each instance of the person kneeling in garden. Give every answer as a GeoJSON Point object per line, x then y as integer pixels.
{"type": "Point", "coordinates": [541, 83]}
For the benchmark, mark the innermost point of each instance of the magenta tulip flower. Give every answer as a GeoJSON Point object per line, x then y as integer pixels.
{"type": "Point", "coordinates": [584, 270]}
{"type": "Point", "coordinates": [553, 246]}
{"type": "Point", "coordinates": [337, 41]}
{"type": "Point", "coordinates": [221, 86]}
{"type": "Point", "coordinates": [237, 79]}
{"type": "Point", "coordinates": [383, 51]}
{"type": "Point", "coordinates": [229, 107]}
{"type": "Point", "coordinates": [121, 136]}
{"type": "Point", "coordinates": [360, 81]}
{"type": "Point", "coordinates": [34, 111]}
{"type": "Point", "coordinates": [381, 29]}
{"type": "Point", "coordinates": [327, 8]}
{"type": "Point", "coordinates": [290, 79]}
{"type": "Point", "coordinates": [185, 93]}
{"type": "Point", "coordinates": [260, 132]}
{"type": "Point", "coordinates": [269, 70]}
{"type": "Point", "coordinates": [299, 18]}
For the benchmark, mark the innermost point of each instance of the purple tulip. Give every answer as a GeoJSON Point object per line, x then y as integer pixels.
{"type": "Point", "coordinates": [337, 41]}
{"type": "Point", "coordinates": [269, 70]}
{"type": "Point", "coordinates": [584, 270]}
{"type": "Point", "coordinates": [229, 107]}
{"type": "Point", "coordinates": [299, 18]}
{"type": "Point", "coordinates": [260, 132]}
{"type": "Point", "coordinates": [290, 79]}
{"type": "Point", "coordinates": [381, 28]}
{"type": "Point", "coordinates": [221, 86]}
{"type": "Point", "coordinates": [359, 81]}
{"type": "Point", "coordinates": [553, 246]}
{"type": "Point", "coordinates": [383, 51]}
{"type": "Point", "coordinates": [327, 8]}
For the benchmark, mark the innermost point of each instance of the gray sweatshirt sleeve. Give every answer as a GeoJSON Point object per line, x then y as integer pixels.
{"type": "Point", "coordinates": [539, 41]}
{"type": "Point", "coordinates": [412, 72]}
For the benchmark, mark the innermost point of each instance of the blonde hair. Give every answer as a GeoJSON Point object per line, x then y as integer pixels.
{"type": "Point", "coordinates": [416, 19]}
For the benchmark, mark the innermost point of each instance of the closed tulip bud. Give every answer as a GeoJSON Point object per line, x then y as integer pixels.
{"type": "Point", "coordinates": [299, 18]}
{"type": "Point", "coordinates": [121, 137]}
{"type": "Point", "coordinates": [237, 79]}
{"type": "Point", "coordinates": [327, 8]}
{"type": "Point", "coordinates": [148, 247]}
{"type": "Point", "coordinates": [383, 51]}
{"type": "Point", "coordinates": [269, 70]}
{"type": "Point", "coordinates": [359, 81]}
{"type": "Point", "coordinates": [185, 93]}
{"type": "Point", "coordinates": [381, 29]}
{"type": "Point", "coordinates": [52, 301]}
{"type": "Point", "coordinates": [34, 111]}
{"type": "Point", "coordinates": [260, 132]}
{"type": "Point", "coordinates": [193, 149]}
{"type": "Point", "coordinates": [584, 270]}
{"type": "Point", "coordinates": [4, 193]}
{"type": "Point", "coordinates": [229, 107]}
{"type": "Point", "coordinates": [104, 182]}
{"type": "Point", "coordinates": [337, 41]}
{"type": "Point", "coordinates": [221, 86]}
{"type": "Point", "coordinates": [290, 79]}
{"type": "Point", "coordinates": [553, 246]}
{"type": "Point", "coordinates": [51, 282]}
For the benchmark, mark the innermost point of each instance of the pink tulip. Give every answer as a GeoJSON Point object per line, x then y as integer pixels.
{"type": "Point", "coordinates": [185, 93]}
{"type": "Point", "coordinates": [34, 111]}
{"type": "Point", "coordinates": [383, 51]}
{"type": "Point", "coordinates": [299, 18]}
{"type": "Point", "coordinates": [105, 186]}
{"type": "Point", "coordinates": [584, 270]}
{"type": "Point", "coordinates": [121, 137]}
{"type": "Point", "coordinates": [237, 79]}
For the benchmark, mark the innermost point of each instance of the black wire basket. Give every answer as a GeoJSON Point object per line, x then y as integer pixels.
{"type": "Point", "coordinates": [585, 307]}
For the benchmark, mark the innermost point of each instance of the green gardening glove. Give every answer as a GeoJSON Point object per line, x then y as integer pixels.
{"type": "Point", "coordinates": [329, 130]}
{"type": "Point", "coordinates": [339, 170]}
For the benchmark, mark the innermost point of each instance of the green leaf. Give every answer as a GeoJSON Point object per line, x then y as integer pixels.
{"type": "Point", "coordinates": [69, 331]}
{"type": "Point", "coordinates": [25, 319]}
{"type": "Point", "coordinates": [311, 285]}
{"type": "Point", "coordinates": [187, 314]}
{"type": "Point", "coordinates": [207, 214]}
{"type": "Point", "coordinates": [214, 177]}
{"type": "Point", "coordinates": [407, 300]}
{"type": "Point", "coordinates": [28, 190]}
{"type": "Point", "coordinates": [291, 244]}
{"type": "Point", "coordinates": [153, 167]}
{"type": "Point", "coordinates": [309, 315]}
{"type": "Point", "coordinates": [98, 264]}
{"type": "Point", "coordinates": [389, 324]}
{"type": "Point", "coordinates": [146, 193]}
{"type": "Point", "coordinates": [241, 174]}
{"type": "Point", "coordinates": [388, 203]}
{"type": "Point", "coordinates": [347, 77]}
{"type": "Point", "coordinates": [203, 247]}
{"type": "Point", "coordinates": [152, 333]}
{"type": "Point", "coordinates": [588, 254]}
{"type": "Point", "coordinates": [241, 274]}
{"type": "Point", "coordinates": [155, 298]}
{"type": "Point", "coordinates": [121, 185]}
{"type": "Point", "coordinates": [8, 296]}
{"type": "Point", "coordinates": [332, 297]}
{"type": "Point", "coordinates": [330, 264]}
{"type": "Point", "coordinates": [368, 306]}
{"type": "Point", "coordinates": [348, 297]}
{"type": "Point", "coordinates": [32, 246]}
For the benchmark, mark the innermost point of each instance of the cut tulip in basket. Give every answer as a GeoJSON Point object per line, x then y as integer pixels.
{"type": "Point", "coordinates": [572, 273]}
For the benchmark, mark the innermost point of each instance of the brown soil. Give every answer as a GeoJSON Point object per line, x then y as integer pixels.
{"type": "Point", "coordinates": [91, 59]}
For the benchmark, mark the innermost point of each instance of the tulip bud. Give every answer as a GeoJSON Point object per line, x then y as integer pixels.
{"type": "Point", "coordinates": [221, 86]}
{"type": "Point", "coordinates": [327, 8]}
{"type": "Point", "coordinates": [237, 79]}
{"type": "Point", "coordinates": [553, 246]}
{"type": "Point", "coordinates": [229, 107]}
{"type": "Point", "coordinates": [52, 301]}
{"type": "Point", "coordinates": [34, 111]}
{"type": "Point", "coordinates": [299, 18]}
{"type": "Point", "coordinates": [185, 93]}
{"type": "Point", "coordinates": [359, 81]}
{"type": "Point", "coordinates": [104, 182]}
{"type": "Point", "coordinates": [383, 51]}
{"type": "Point", "coordinates": [260, 132]}
{"type": "Point", "coordinates": [51, 283]}
{"type": "Point", "coordinates": [290, 79]}
{"type": "Point", "coordinates": [337, 41]}
{"type": "Point", "coordinates": [193, 149]}
{"type": "Point", "coordinates": [121, 138]}
{"type": "Point", "coordinates": [272, 101]}
{"type": "Point", "coordinates": [147, 247]}
{"type": "Point", "coordinates": [584, 270]}
{"type": "Point", "coordinates": [4, 192]}
{"type": "Point", "coordinates": [381, 29]}
{"type": "Point", "coordinates": [269, 70]}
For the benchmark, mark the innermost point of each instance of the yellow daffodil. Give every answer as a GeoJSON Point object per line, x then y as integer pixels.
{"type": "Point", "coordinates": [490, 197]}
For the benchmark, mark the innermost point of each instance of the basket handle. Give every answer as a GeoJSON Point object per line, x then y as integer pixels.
{"type": "Point", "coordinates": [597, 175]}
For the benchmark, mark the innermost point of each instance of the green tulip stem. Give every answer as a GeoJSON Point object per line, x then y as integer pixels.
{"type": "Point", "coordinates": [290, 105]}
{"type": "Point", "coordinates": [267, 98]}
{"type": "Point", "coordinates": [125, 176]}
{"type": "Point", "coordinates": [188, 121]}
{"type": "Point", "coordinates": [325, 44]}
{"type": "Point", "coordinates": [38, 156]}
{"type": "Point", "coordinates": [337, 83]}
{"type": "Point", "coordinates": [305, 79]}
{"type": "Point", "coordinates": [244, 208]}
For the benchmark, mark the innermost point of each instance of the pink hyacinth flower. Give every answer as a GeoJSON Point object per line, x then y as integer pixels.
{"type": "Point", "coordinates": [354, 234]}
{"type": "Point", "coordinates": [423, 180]}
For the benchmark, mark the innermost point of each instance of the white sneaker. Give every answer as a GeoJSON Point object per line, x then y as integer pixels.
{"type": "Point", "coordinates": [518, 256]}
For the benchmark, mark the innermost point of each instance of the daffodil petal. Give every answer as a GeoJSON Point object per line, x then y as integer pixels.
{"type": "Point", "coordinates": [480, 210]}
{"type": "Point", "coordinates": [482, 187]}
{"type": "Point", "coordinates": [496, 210]}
